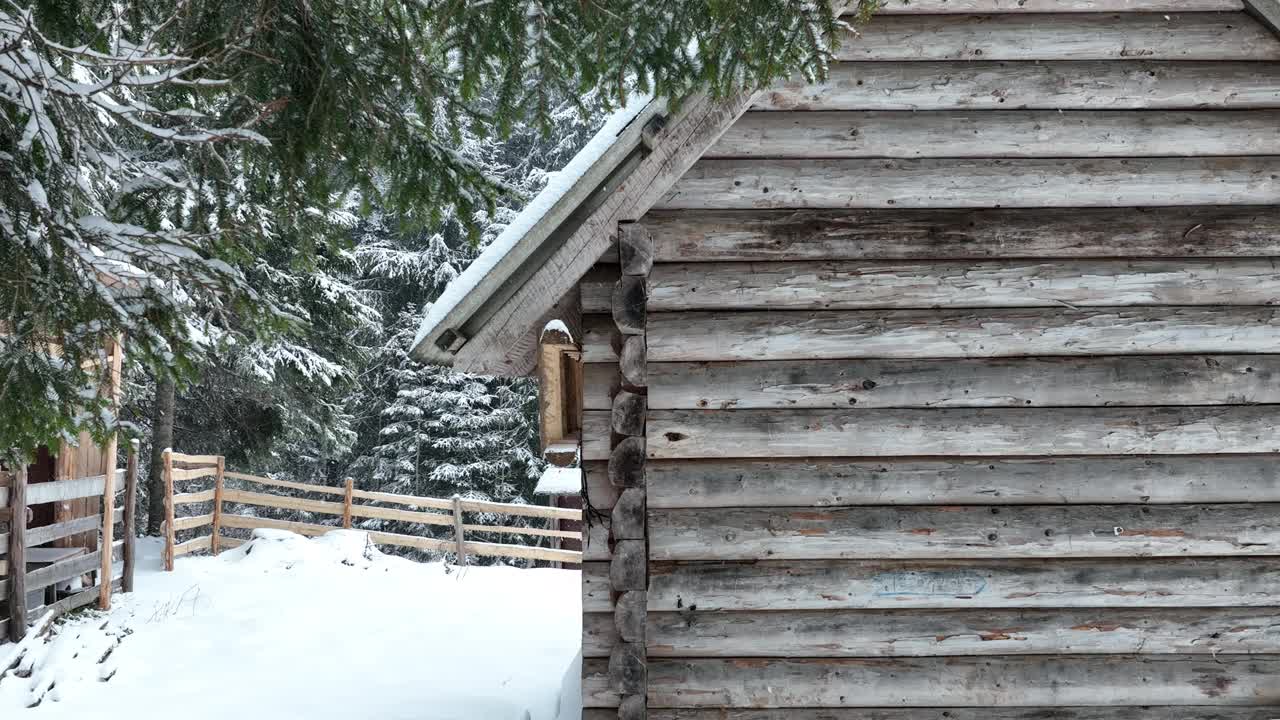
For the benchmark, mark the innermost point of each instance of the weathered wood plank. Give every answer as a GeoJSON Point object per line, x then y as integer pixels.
{"type": "Point", "coordinates": [595, 540]}
{"type": "Point", "coordinates": [976, 682]}
{"type": "Point", "coordinates": [596, 429]}
{"type": "Point", "coordinates": [196, 497]}
{"type": "Point", "coordinates": [601, 494]}
{"type": "Point", "coordinates": [818, 335]}
{"type": "Point", "coordinates": [1123, 36]}
{"type": "Point", "coordinates": [973, 531]}
{"type": "Point", "coordinates": [597, 690]}
{"type": "Point", "coordinates": [999, 133]}
{"type": "Point", "coordinates": [782, 235]}
{"type": "Point", "coordinates": [595, 588]}
{"type": "Point", "coordinates": [1193, 712]}
{"type": "Point", "coordinates": [941, 584]}
{"type": "Point", "coordinates": [598, 634]}
{"type": "Point", "coordinates": [600, 382]}
{"type": "Point", "coordinates": [1054, 85]}
{"type": "Point", "coordinates": [204, 542]}
{"type": "Point", "coordinates": [755, 183]}
{"type": "Point", "coordinates": [62, 571]}
{"type": "Point", "coordinates": [845, 285]}
{"type": "Point", "coordinates": [987, 382]}
{"type": "Point", "coordinates": [980, 481]}
{"type": "Point", "coordinates": [963, 431]}
{"type": "Point", "coordinates": [192, 521]}
{"type": "Point", "coordinates": [600, 338]}
{"type": "Point", "coordinates": [50, 533]}
{"type": "Point", "coordinates": [918, 7]}
{"type": "Point", "coordinates": [61, 490]}
{"type": "Point", "coordinates": [924, 633]}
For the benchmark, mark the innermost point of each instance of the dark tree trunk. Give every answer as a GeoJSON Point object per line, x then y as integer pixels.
{"type": "Point", "coordinates": [161, 438]}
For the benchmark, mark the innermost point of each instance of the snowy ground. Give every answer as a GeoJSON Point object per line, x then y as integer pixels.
{"type": "Point", "coordinates": [286, 627]}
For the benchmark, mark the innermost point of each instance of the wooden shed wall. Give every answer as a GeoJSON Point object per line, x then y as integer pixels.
{"type": "Point", "coordinates": [962, 371]}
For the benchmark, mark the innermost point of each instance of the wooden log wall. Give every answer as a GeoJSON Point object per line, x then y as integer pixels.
{"type": "Point", "coordinates": [962, 381]}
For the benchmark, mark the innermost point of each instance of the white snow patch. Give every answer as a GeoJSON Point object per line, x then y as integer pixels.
{"type": "Point", "coordinates": [557, 325]}
{"type": "Point", "coordinates": [326, 628]}
{"type": "Point", "coordinates": [559, 481]}
{"type": "Point", "coordinates": [558, 184]}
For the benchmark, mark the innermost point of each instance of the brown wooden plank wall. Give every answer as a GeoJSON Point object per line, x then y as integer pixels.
{"type": "Point", "coordinates": [963, 379]}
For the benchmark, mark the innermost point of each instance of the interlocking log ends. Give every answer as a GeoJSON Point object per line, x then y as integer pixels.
{"type": "Point", "coordinates": [628, 570]}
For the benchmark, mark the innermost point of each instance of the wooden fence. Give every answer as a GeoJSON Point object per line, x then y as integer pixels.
{"type": "Point", "coordinates": [30, 574]}
{"type": "Point", "coordinates": [353, 503]}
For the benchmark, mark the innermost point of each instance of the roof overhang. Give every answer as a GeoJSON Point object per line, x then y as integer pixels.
{"type": "Point", "coordinates": [1266, 11]}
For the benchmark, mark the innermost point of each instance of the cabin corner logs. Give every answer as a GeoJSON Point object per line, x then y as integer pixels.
{"type": "Point", "coordinates": [960, 378]}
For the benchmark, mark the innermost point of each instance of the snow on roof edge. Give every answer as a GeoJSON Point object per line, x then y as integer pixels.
{"type": "Point", "coordinates": [559, 481]}
{"type": "Point", "coordinates": [558, 185]}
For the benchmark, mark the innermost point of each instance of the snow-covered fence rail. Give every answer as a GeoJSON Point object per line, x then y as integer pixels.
{"type": "Point", "coordinates": [349, 504]}
{"type": "Point", "coordinates": [35, 580]}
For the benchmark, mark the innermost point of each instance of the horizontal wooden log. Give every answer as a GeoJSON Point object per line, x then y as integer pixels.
{"type": "Point", "coordinates": [754, 183]}
{"type": "Point", "coordinates": [522, 510]}
{"type": "Point", "coordinates": [627, 521]}
{"type": "Point", "coordinates": [601, 340]}
{"type": "Point", "coordinates": [273, 482]}
{"type": "Point", "coordinates": [193, 521]}
{"type": "Point", "coordinates": [1000, 133]}
{"type": "Point", "coordinates": [783, 235]}
{"type": "Point", "coordinates": [941, 584]}
{"type": "Point", "coordinates": [520, 530]}
{"type": "Point", "coordinates": [381, 513]}
{"type": "Point", "coordinates": [973, 531]}
{"type": "Point", "coordinates": [635, 249]}
{"type": "Point", "coordinates": [925, 633]}
{"type": "Point", "coordinates": [961, 481]}
{"type": "Point", "coordinates": [600, 382]}
{"type": "Point", "coordinates": [245, 497]}
{"type": "Point", "coordinates": [63, 490]}
{"type": "Point", "coordinates": [974, 682]}
{"type": "Point", "coordinates": [963, 431]}
{"type": "Point", "coordinates": [1189, 712]}
{"type": "Point", "coordinates": [629, 616]}
{"type": "Point", "coordinates": [193, 545]}
{"type": "Point", "coordinates": [203, 496]}
{"type": "Point", "coordinates": [229, 520]}
{"type": "Point", "coordinates": [521, 552]}
{"type": "Point", "coordinates": [230, 542]}
{"type": "Point", "coordinates": [413, 541]}
{"type": "Point", "coordinates": [596, 434]}
{"type": "Point", "coordinates": [598, 634]}
{"type": "Point", "coordinates": [819, 335]}
{"type": "Point", "coordinates": [627, 668]}
{"type": "Point", "coordinates": [180, 474]}
{"type": "Point", "coordinates": [628, 413]}
{"type": "Point", "coordinates": [49, 533]}
{"type": "Point", "coordinates": [595, 588]}
{"type": "Point", "coordinates": [988, 382]}
{"type": "Point", "coordinates": [632, 361]}
{"type": "Point", "coordinates": [597, 690]}
{"type": "Point", "coordinates": [410, 500]}
{"type": "Point", "coordinates": [628, 303]}
{"type": "Point", "coordinates": [1054, 85]}
{"type": "Point", "coordinates": [190, 461]}
{"type": "Point", "coordinates": [1115, 36]}
{"type": "Point", "coordinates": [63, 571]}
{"type": "Point", "coordinates": [595, 540]}
{"type": "Point", "coordinates": [601, 494]}
{"type": "Point", "coordinates": [925, 7]}
{"type": "Point", "coordinates": [845, 285]}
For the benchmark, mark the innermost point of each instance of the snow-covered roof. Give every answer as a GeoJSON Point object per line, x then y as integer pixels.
{"type": "Point", "coordinates": [443, 329]}
{"type": "Point", "coordinates": [559, 481]}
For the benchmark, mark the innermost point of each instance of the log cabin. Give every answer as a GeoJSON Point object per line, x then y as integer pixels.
{"type": "Point", "coordinates": [944, 388]}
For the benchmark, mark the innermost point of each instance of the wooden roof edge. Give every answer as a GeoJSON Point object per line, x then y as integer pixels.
{"type": "Point", "coordinates": [1265, 11]}
{"type": "Point", "coordinates": [440, 339]}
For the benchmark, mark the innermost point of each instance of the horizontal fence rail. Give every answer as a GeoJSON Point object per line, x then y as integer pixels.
{"type": "Point", "coordinates": [346, 504]}
{"type": "Point", "coordinates": [30, 574]}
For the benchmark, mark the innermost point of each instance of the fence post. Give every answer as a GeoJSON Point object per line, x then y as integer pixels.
{"type": "Point", "coordinates": [457, 530]}
{"type": "Point", "coordinates": [130, 519]}
{"type": "Point", "coordinates": [18, 553]}
{"type": "Point", "coordinates": [217, 504]}
{"type": "Point", "coordinates": [110, 460]}
{"type": "Point", "coordinates": [346, 504]}
{"type": "Point", "coordinates": [168, 510]}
